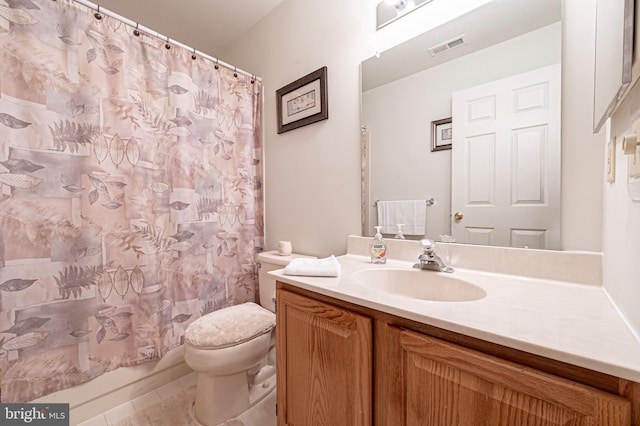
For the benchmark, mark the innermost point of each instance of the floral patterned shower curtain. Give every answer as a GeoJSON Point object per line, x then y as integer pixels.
{"type": "Point", "coordinates": [130, 194]}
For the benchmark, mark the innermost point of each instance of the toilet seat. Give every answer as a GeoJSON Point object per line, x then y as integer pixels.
{"type": "Point", "coordinates": [230, 326]}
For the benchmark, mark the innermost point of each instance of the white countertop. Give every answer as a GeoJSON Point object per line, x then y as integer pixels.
{"type": "Point", "coordinates": [569, 322]}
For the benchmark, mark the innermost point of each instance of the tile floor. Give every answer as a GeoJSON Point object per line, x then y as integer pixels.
{"type": "Point", "coordinates": [263, 414]}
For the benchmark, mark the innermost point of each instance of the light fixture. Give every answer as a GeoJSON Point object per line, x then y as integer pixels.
{"type": "Point", "coordinates": [398, 4]}
{"type": "Point", "coordinates": [388, 11]}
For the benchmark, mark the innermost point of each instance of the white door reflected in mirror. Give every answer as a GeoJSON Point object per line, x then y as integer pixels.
{"type": "Point", "coordinates": [506, 161]}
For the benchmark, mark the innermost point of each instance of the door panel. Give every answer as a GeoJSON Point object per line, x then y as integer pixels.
{"type": "Point", "coordinates": [506, 161]}
{"type": "Point", "coordinates": [324, 363]}
{"type": "Point", "coordinates": [446, 384]}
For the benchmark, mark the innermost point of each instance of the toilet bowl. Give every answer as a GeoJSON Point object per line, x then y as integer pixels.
{"type": "Point", "coordinates": [232, 350]}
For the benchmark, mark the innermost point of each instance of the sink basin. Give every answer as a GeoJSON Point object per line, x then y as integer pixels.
{"type": "Point", "coordinates": [417, 284]}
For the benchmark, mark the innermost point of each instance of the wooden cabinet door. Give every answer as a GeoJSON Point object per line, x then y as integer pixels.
{"type": "Point", "coordinates": [324, 363]}
{"type": "Point", "coordinates": [446, 384]}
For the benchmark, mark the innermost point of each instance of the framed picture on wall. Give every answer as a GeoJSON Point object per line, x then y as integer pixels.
{"type": "Point", "coordinates": [441, 134]}
{"type": "Point", "coordinates": [303, 102]}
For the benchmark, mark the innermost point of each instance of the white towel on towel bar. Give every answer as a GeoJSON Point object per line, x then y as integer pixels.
{"type": "Point", "coordinates": [412, 213]}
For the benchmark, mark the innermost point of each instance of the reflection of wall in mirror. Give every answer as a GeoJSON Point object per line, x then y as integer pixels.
{"type": "Point", "coordinates": [401, 162]}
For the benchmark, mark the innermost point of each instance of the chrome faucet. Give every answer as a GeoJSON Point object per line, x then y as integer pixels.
{"type": "Point", "coordinates": [429, 260]}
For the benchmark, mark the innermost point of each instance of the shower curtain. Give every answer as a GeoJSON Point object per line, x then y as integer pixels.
{"type": "Point", "coordinates": [130, 194]}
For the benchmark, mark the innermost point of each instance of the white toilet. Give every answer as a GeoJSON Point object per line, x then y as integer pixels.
{"type": "Point", "coordinates": [233, 351]}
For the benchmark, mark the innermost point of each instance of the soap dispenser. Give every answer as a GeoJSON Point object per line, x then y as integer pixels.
{"type": "Point", "coordinates": [378, 248]}
{"type": "Point", "coordinates": [399, 234]}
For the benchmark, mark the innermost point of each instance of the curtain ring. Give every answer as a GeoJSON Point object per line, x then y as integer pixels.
{"type": "Point", "coordinates": [97, 15]}
{"type": "Point", "coordinates": [136, 32]}
{"type": "Point", "coordinates": [216, 65]}
{"type": "Point", "coordinates": [167, 45]}
{"type": "Point", "coordinates": [253, 79]}
{"type": "Point", "coordinates": [235, 72]}
{"type": "Point", "coordinates": [193, 56]}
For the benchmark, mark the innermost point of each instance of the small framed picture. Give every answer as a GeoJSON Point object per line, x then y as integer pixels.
{"type": "Point", "coordinates": [441, 134]}
{"type": "Point", "coordinates": [303, 102]}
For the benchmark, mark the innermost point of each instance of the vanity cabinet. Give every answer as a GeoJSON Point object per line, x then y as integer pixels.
{"type": "Point", "coordinates": [446, 384]}
{"type": "Point", "coordinates": [343, 364]}
{"type": "Point", "coordinates": [324, 363]}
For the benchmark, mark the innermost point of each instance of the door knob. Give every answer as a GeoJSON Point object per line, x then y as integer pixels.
{"type": "Point", "coordinates": [458, 216]}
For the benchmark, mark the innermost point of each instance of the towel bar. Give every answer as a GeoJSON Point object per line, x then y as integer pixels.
{"type": "Point", "coordinates": [429, 201]}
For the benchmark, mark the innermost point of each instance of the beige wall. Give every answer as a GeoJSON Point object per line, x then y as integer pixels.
{"type": "Point", "coordinates": [312, 174]}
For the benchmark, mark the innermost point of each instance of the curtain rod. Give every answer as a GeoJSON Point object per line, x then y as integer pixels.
{"type": "Point", "coordinates": [156, 34]}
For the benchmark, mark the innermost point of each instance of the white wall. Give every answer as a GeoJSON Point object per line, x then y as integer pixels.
{"type": "Point", "coordinates": [312, 174]}
{"type": "Point", "coordinates": [622, 214]}
{"type": "Point", "coordinates": [622, 220]}
{"type": "Point", "coordinates": [398, 116]}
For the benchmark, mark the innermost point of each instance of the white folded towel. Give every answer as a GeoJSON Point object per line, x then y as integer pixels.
{"type": "Point", "coordinates": [327, 267]}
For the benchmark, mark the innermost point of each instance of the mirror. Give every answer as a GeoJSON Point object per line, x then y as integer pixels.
{"type": "Point", "coordinates": [407, 88]}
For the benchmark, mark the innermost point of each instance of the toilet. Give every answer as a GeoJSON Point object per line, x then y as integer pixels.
{"type": "Point", "coordinates": [232, 350]}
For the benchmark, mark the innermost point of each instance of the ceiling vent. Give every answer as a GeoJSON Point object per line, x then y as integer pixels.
{"type": "Point", "coordinates": [447, 45]}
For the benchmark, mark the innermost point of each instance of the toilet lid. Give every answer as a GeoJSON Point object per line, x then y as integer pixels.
{"type": "Point", "coordinates": [230, 326]}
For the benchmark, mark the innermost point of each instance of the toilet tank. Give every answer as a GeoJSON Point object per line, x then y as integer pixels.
{"type": "Point", "coordinates": [271, 261]}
